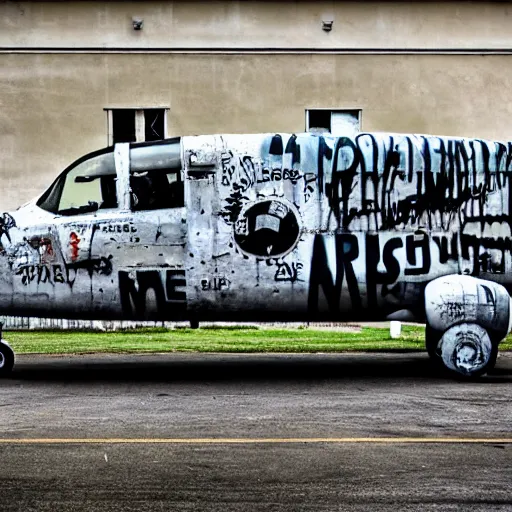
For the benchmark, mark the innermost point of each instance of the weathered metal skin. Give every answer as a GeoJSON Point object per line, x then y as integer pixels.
{"type": "Point", "coordinates": [451, 300]}
{"type": "Point", "coordinates": [271, 226]}
{"type": "Point", "coordinates": [470, 316]}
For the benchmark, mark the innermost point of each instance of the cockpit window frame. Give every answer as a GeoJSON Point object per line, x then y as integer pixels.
{"type": "Point", "coordinates": [143, 168]}
{"type": "Point", "coordinates": [62, 177]}
{"type": "Point", "coordinates": [42, 201]}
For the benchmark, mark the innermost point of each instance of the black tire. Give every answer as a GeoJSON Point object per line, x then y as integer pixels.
{"type": "Point", "coordinates": [492, 360]}
{"type": "Point", "coordinates": [432, 338]}
{"type": "Point", "coordinates": [6, 359]}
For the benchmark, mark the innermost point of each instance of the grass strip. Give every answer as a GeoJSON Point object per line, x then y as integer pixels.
{"type": "Point", "coordinates": [218, 340]}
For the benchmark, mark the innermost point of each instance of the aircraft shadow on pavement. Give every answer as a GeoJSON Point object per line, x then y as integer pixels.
{"type": "Point", "coordinates": [204, 368]}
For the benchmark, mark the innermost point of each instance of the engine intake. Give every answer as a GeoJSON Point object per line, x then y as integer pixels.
{"type": "Point", "coordinates": [466, 319]}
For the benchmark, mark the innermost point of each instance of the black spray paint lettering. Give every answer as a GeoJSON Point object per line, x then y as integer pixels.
{"type": "Point", "coordinates": [321, 278]}
{"type": "Point", "coordinates": [247, 176]}
{"type": "Point", "coordinates": [282, 163]}
{"type": "Point", "coordinates": [417, 248]}
{"type": "Point", "coordinates": [448, 247]}
{"type": "Point", "coordinates": [477, 251]}
{"type": "Point", "coordinates": [237, 172]}
{"type": "Point", "coordinates": [216, 284]}
{"type": "Point", "coordinates": [40, 274]}
{"type": "Point", "coordinates": [135, 286]}
{"type": "Point", "coordinates": [100, 266]}
{"type": "Point", "coordinates": [234, 205]}
{"type": "Point", "coordinates": [228, 168]}
{"type": "Point", "coordinates": [267, 175]}
{"type": "Point", "coordinates": [175, 279]}
{"type": "Point", "coordinates": [375, 277]}
{"type": "Point", "coordinates": [288, 272]}
{"type": "Point", "coordinates": [56, 274]}
{"type": "Point", "coordinates": [413, 243]}
{"type": "Point", "coordinates": [309, 185]}
{"type": "Point", "coordinates": [118, 228]}
{"type": "Point", "coordinates": [346, 248]}
{"type": "Point", "coordinates": [441, 175]}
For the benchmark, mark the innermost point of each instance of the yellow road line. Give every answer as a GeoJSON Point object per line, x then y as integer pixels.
{"type": "Point", "coordinates": [264, 440]}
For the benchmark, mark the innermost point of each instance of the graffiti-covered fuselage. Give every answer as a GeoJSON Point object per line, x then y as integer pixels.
{"type": "Point", "coordinates": [300, 226]}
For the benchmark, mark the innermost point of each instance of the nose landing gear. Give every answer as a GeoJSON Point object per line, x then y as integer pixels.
{"type": "Point", "coordinates": [6, 356]}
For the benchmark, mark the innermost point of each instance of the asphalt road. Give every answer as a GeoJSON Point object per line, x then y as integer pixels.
{"type": "Point", "coordinates": [253, 432]}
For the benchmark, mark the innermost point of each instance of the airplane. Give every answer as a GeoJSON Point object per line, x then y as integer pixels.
{"type": "Point", "coordinates": [264, 227]}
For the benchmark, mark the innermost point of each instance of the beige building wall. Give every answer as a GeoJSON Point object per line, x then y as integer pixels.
{"type": "Point", "coordinates": [411, 67]}
{"type": "Point", "coordinates": [256, 24]}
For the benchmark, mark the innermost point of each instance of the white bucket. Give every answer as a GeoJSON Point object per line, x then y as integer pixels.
{"type": "Point", "coordinates": [395, 327]}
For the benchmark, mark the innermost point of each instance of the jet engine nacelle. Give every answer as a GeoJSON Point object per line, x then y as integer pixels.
{"type": "Point", "coordinates": [466, 319]}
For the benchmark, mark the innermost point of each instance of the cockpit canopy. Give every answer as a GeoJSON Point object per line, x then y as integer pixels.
{"type": "Point", "coordinates": [91, 183]}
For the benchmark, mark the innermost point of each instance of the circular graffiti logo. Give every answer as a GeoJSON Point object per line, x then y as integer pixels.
{"type": "Point", "coordinates": [268, 228]}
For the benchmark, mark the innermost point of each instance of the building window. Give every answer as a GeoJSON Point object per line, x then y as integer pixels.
{"type": "Point", "coordinates": [136, 124]}
{"type": "Point", "coordinates": [337, 122]}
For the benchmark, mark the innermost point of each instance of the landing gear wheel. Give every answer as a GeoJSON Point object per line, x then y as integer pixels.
{"type": "Point", "coordinates": [6, 359]}
{"type": "Point", "coordinates": [467, 350]}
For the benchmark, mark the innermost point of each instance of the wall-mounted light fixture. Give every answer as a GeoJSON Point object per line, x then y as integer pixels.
{"type": "Point", "coordinates": [137, 23]}
{"type": "Point", "coordinates": [327, 25]}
